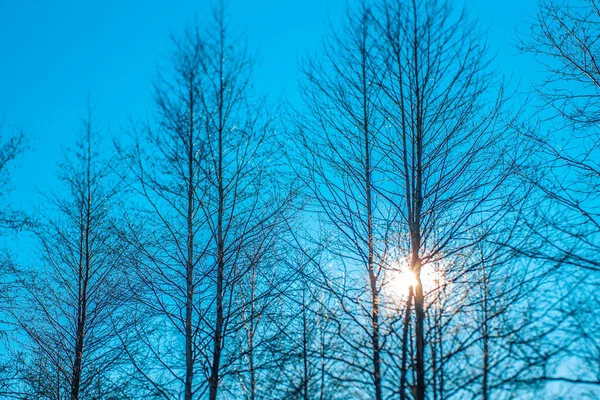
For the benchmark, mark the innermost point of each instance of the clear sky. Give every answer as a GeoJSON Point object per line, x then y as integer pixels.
{"type": "Point", "coordinates": [53, 54]}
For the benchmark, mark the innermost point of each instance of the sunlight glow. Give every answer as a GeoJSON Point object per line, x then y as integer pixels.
{"type": "Point", "coordinates": [400, 278]}
{"type": "Point", "coordinates": [401, 281]}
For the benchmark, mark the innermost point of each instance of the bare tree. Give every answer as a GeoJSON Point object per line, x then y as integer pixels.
{"type": "Point", "coordinates": [564, 40]}
{"type": "Point", "coordinates": [10, 221]}
{"type": "Point", "coordinates": [449, 151]}
{"type": "Point", "coordinates": [67, 303]}
{"type": "Point", "coordinates": [164, 221]}
{"type": "Point", "coordinates": [338, 163]}
{"type": "Point", "coordinates": [204, 218]}
{"type": "Point", "coordinates": [407, 152]}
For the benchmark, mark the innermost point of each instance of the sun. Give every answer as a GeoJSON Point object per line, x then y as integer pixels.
{"type": "Point", "coordinates": [400, 279]}
{"type": "Point", "coordinates": [400, 282]}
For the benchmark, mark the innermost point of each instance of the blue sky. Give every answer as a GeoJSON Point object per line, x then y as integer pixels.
{"type": "Point", "coordinates": [54, 54]}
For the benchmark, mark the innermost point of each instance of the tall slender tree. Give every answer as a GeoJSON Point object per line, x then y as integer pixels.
{"type": "Point", "coordinates": [338, 162]}
{"type": "Point", "coordinates": [209, 203]}
{"type": "Point", "coordinates": [448, 154]}
{"type": "Point", "coordinates": [564, 41]}
{"type": "Point", "coordinates": [10, 221]}
{"type": "Point", "coordinates": [67, 304]}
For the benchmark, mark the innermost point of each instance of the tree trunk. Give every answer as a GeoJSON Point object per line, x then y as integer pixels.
{"type": "Point", "coordinates": [84, 271]}
{"type": "Point", "coordinates": [371, 250]}
{"type": "Point", "coordinates": [78, 362]}
{"type": "Point", "coordinates": [405, 340]}
{"type": "Point", "coordinates": [214, 379]}
{"type": "Point", "coordinates": [251, 332]}
{"type": "Point", "coordinates": [485, 336]}
{"type": "Point", "coordinates": [420, 341]}
{"type": "Point", "coordinates": [304, 347]}
{"type": "Point", "coordinates": [218, 335]}
{"type": "Point", "coordinates": [189, 339]}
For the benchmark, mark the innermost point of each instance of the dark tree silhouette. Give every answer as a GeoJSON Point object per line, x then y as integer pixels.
{"type": "Point", "coordinates": [208, 208]}
{"type": "Point", "coordinates": [564, 41]}
{"type": "Point", "coordinates": [68, 302]}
